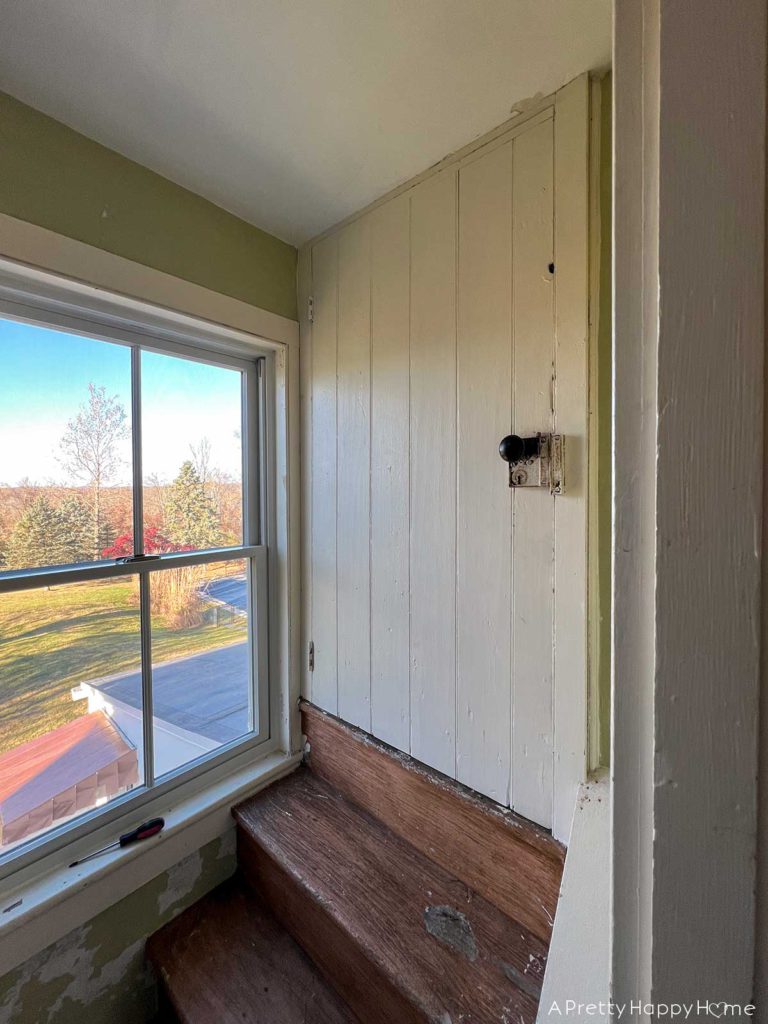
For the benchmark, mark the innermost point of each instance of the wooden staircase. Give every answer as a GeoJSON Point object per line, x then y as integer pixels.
{"type": "Point", "coordinates": [369, 889]}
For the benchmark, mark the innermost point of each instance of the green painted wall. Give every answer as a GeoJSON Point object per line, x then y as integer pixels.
{"type": "Point", "coordinates": [604, 405]}
{"type": "Point", "coordinates": [52, 176]}
{"type": "Point", "coordinates": [97, 973]}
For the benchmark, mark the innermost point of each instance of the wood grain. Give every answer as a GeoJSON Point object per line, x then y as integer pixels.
{"type": "Point", "coordinates": [227, 959]}
{"type": "Point", "coordinates": [356, 896]}
{"type": "Point", "coordinates": [510, 862]}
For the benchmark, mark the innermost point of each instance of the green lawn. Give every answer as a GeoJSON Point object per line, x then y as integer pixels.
{"type": "Point", "coordinates": [50, 640]}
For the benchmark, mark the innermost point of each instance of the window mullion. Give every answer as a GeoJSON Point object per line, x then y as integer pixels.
{"type": "Point", "coordinates": [251, 435]}
{"type": "Point", "coordinates": [146, 679]}
{"type": "Point", "coordinates": [138, 491]}
{"type": "Point", "coordinates": [144, 581]}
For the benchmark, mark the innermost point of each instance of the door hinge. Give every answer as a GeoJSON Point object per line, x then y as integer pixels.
{"type": "Point", "coordinates": [311, 659]}
{"type": "Point", "coordinates": [311, 309]}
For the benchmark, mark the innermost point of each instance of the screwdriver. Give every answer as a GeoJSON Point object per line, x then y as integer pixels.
{"type": "Point", "coordinates": [150, 828]}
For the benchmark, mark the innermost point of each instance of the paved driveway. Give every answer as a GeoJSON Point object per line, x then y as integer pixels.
{"type": "Point", "coordinates": [230, 590]}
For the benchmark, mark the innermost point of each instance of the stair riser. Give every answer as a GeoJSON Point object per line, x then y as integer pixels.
{"type": "Point", "coordinates": [368, 992]}
{"type": "Point", "coordinates": [517, 867]}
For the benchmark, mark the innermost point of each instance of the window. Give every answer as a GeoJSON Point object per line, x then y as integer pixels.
{"type": "Point", "coordinates": [132, 568]}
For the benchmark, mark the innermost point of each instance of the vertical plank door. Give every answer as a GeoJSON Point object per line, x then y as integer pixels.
{"type": "Point", "coordinates": [448, 610]}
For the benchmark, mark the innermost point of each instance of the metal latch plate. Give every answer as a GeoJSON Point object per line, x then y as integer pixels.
{"type": "Point", "coordinates": [543, 470]}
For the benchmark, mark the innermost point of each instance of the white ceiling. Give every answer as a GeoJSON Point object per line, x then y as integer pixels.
{"type": "Point", "coordinates": [293, 113]}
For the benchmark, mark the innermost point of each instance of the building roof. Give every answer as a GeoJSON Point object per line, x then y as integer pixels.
{"type": "Point", "coordinates": [206, 693]}
{"type": "Point", "coordinates": [68, 770]}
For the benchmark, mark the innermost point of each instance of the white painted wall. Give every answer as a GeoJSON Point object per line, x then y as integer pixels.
{"type": "Point", "coordinates": [448, 612]}
{"type": "Point", "coordinates": [294, 115]}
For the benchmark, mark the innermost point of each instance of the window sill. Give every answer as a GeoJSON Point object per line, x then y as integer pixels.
{"type": "Point", "coordinates": [52, 898]}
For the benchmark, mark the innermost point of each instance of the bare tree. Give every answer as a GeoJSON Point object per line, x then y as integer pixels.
{"type": "Point", "coordinates": [201, 458]}
{"type": "Point", "coordinates": [90, 448]}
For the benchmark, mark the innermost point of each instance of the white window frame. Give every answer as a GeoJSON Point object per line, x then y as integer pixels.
{"type": "Point", "coordinates": [40, 297]}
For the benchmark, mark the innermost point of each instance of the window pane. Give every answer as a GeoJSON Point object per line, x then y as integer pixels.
{"type": "Point", "coordinates": [65, 746]}
{"type": "Point", "coordinates": [192, 454]}
{"type": "Point", "coordinates": [201, 660]}
{"type": "Point", "coordinates": [65, 446]}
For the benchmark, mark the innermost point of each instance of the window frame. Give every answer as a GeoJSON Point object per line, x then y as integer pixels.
{"type": "Point", "coordinates": [119, 321]}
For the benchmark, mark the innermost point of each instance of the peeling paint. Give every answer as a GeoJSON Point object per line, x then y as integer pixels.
{"type": "Point", "coordinates": [228, 845]}
{"type": "Point", "coordinates": [100, 967]}
{"type": "Point", "coordinates": [181, 879]}
{"type": "Point", "coordinates": [449, 926]}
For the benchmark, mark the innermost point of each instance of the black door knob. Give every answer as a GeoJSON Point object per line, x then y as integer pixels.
{"type": "Point", "coordinates": [514, 449]}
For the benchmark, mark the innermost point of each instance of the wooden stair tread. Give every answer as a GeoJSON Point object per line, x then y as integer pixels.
{"type": "Point", "coordinates": [332, 872]}
{"type": "Point", "coordinates": [227, 959]}
{"type": "Point", "coordinates": [511, 861]}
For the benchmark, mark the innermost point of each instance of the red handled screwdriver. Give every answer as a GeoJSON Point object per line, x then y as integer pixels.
{"type": "Point", "coordinates": [150, 828]}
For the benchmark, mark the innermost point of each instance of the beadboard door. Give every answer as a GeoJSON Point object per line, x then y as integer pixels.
{"type": "Point", "coordinates": [446, 612]}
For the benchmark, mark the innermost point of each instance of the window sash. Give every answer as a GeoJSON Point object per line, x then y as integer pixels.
{"type": "Point", "coordinates": [56, 575]}
{"type": "Point", "coordinates": [69, 831]}
{"type": "Point", "coordinates": [255, 530]}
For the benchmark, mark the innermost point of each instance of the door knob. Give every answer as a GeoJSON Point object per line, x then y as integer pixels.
{"type": "Point", "coordinates": [513, 448]}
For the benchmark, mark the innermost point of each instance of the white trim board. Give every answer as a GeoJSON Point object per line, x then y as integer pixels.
{"type": "Point", "coordinates": [78, 261]}
{"type": "Point", "coordinates": [578, 961]}
{"type": "Point", "coordinates": [689, 337]}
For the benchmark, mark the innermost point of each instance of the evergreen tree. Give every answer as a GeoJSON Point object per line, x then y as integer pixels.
{"type": "Point", "coordinates": [36, 538]}
{"type": "Point", "coordinates": [190, 518]}
{"type": "Point", "coordinates": [76, 526]}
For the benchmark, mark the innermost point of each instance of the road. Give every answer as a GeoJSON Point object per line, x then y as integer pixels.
{"type": "Point", "coordinates": [230, 590]}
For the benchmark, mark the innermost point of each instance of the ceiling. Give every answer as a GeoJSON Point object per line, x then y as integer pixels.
{"type": "Point", "coordinates": [293, 113]}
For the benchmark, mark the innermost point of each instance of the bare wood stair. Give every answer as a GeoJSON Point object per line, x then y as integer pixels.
{"type": "Point", "coordinates": [515, 864]}
{"type": "Point", "coordinates": [399, 937]}
{"type": "Point", "coordinates": [415, 901]}
{"type": "Point", "coordinates": [227, 960]}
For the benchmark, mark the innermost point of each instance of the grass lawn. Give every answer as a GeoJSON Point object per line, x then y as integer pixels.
{"type": "Point", "coordinates": [50, 640]}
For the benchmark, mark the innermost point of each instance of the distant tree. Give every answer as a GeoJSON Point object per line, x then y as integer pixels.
{"type": "Point", "coordinates": [155, 543]}
{"type": "Point", "coordinates": [201, 459]}
{"type": "Point", "coordinates": [36, 538]}
{"type": "Point", "coordinates": [75, 530]}
{"type": "Point", "coordinates": [90, 451]}
{"type": "Point", "coordinates": [190, 518]}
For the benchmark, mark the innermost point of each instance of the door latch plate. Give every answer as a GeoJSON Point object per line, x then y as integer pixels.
{"type": "Point", "coordinates": [540, 463]}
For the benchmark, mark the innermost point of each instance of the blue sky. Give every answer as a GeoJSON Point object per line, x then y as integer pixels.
{"type": "Point", "coordinates": [44, 377]}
